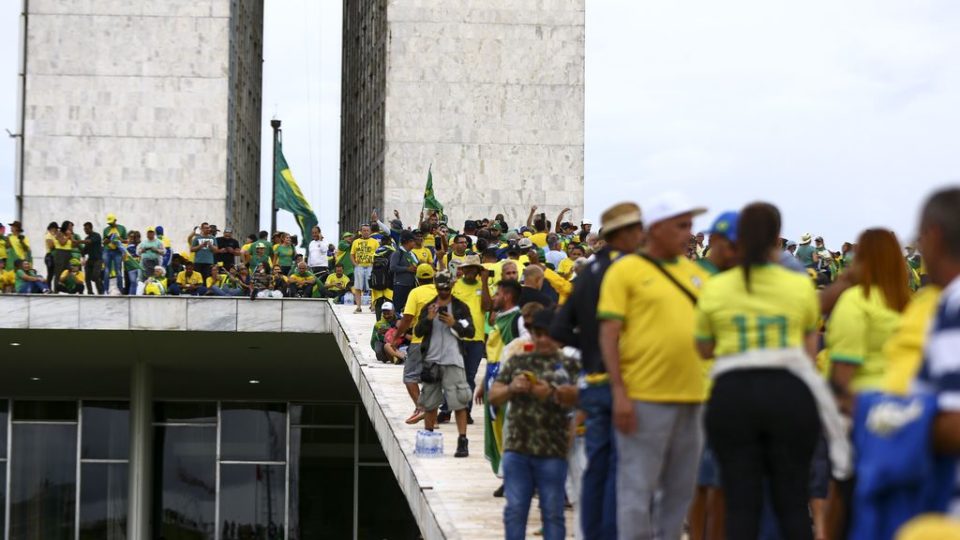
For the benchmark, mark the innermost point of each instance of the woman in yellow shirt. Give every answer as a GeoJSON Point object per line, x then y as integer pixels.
{"type": "Point", "coordinates": [866, 315]}
{"type": "Point", "coordinates": [759, 322]}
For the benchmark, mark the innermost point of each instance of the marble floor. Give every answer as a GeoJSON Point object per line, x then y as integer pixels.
{"type": "Point", "coordinates": [462, 488]}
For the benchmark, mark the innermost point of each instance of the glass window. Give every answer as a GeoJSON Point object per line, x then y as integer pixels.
{"type": "Point", "coordinates": [106, 430]}
{"type": "Point", "coordinates": [386, 513]}
{"type": "Point", "coordinates": [103, 501]}
{"type": "Point", "coordinates": [321, 483]}
{"type": "Point", "coordinates": [253, 432]}
{"type": "Point", "coordinates": [185, 482]}
{"type": "Point", "coordinates": [252, 501]}
{"type": "Point", "coordinates": [322, 414]}
{"type": "Point", "coordinates": [45, 410]}
{"type": "Point", "coordinates": [43, 481]}
{"type": "Point", "coordinates": [184, 412]}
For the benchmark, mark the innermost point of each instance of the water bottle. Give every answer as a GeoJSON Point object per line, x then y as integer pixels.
{"type": "Point", "coordinates": [365, 299]}
{"type": "Point", "coordinates": [429, 444]}
{"type": "Point", "coordinates": [348, 299]}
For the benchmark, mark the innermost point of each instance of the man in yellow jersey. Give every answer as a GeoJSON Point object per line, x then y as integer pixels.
{"type": "Point", "coordinates": [413, 365]}
{"type": "Point", "coordinates": [475, 293]}
{"type": "Point", "coordinates": [362, 253]}
{"type": "Point", "coordinates": [646, 335]}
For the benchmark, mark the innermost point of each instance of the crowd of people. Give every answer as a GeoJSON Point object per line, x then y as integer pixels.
{"type": "Point", "coordinates": [698, 384]}
{"type": "Point", "coordinates": [684, 383]}
{"type": "Point", "coordinates": [126, 262]}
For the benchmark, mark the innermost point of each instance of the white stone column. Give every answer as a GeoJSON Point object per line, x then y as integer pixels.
{"type": "Point", "coordinates": [141, 451]}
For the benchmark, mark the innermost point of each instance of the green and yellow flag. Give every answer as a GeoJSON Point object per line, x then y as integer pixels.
{"type": "Point", "coordinates": [429, 200]}
{"type": "Point", "coordinates": [290, 198]}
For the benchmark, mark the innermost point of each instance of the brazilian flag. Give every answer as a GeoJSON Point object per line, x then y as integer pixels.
{"type": "Point", "coordinates": [429, 199]}
{"type": "Point", "coordinates": [290, 198]}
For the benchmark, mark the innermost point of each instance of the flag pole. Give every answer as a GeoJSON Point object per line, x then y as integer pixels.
{"type": "Point", "coordinates": [275, 124]}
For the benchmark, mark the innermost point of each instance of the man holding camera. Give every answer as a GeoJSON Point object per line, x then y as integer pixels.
{"type": "Point", "coordinates": [443, 323]}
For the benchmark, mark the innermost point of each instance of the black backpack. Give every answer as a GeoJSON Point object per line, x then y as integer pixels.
{"type": "Point", "coordinates": [380, 277]}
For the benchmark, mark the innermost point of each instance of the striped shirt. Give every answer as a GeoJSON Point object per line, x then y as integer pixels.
{"type": "Point", "coordinates": [940, 373]}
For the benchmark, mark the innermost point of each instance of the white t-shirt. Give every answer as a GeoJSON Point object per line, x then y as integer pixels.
{"type": "Point", "coordinates": [316, 254]}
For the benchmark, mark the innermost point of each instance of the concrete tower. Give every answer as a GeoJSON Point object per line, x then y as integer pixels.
{"type": "Point", "coordinates": [148, 109]}
{"type": "Point", "coordinates": [489, 91]}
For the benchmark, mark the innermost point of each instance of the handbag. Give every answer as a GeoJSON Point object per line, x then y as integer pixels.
{"type": "Point", "coordinates": [431, 373]}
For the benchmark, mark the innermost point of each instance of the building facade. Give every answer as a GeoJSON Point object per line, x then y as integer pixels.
{"type": "Point", "coordinates": [490, 92]}
{"type": "Point", "coordinates": [142, 109]}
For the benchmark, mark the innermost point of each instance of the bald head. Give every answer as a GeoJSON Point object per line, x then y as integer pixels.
{"type": "Point", "coordinates": [532, 277]}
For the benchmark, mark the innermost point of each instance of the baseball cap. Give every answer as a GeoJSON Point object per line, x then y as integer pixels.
{"type": "Point", "coordinates": [159, 229]}
{"type": "Point", "coordinates": [151, 229]}
{"type": "Point", "coordinates": [725, 225]}
{"type": "Point", "coordinates": [670, 205]}
{"type": "Point", "coordinates": [525, 243]}
{"type": "Point", "coordinates": [387, 306]}
{"type": "Point", "coordinates": [568, 225]}
{"type": "Point", "coordinates": [586, 222]}
{"type": "Point", "coordinates": [347, 235]}
{"type": "Point", "coordinates": [443, 280]}
{"type": "Point", "coordinates": [111, 218]}
{"type": "Point", "coordinates": [424, 271]}
{"type": "Point", "coordinates": [228, 229]}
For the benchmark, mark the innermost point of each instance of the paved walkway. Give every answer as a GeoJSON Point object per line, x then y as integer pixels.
{"type": "Point", "coordinates": [459, 492]}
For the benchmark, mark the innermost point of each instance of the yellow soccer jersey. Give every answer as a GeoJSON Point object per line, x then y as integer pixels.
{"type": "Point", "coordinates": [856, 332]}
{"type": "Point", "coordinates": [472, 296]}
{"type": "Point", "coordinates": [904, 350]}
{"type": "Point", "coordinates": [658, 358]}
{"type": "Point", "coordinates": [778, 312]}
{"type": "Point", "coordinates": [418, 299]}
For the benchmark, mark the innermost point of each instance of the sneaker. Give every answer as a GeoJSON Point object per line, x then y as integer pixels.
{"type": "Point", "coordinates": [416, 416]}
{"type": "Point", "coordinates": [358, 310]}
{"type": "Point", "coordinates": [443, 417]}
{"type": "Point", "coordinates": [499, 491]}
{"type": "Point", "coordinates": [462, 447]}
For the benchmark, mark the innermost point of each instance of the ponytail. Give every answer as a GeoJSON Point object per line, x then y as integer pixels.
{"type": "Point", "coordinates": [758, 233]}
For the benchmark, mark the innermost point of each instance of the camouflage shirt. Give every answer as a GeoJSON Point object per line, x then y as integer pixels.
{"type": "Point", "coordinates": [534, 427]}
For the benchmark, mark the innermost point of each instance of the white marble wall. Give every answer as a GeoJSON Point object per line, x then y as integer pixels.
{"type": "Point", "coordinates": [492, 93]}
{"type": "Point", "coordinates": [190, 314]}
{"type": "Point", "coordinates": [126, 111]}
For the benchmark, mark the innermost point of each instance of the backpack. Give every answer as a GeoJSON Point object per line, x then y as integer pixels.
{"type": "Point", "coordinates": [380, 277]}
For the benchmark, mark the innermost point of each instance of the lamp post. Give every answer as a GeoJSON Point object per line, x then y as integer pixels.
{"type": "Point", "coordinates": [275, 124]}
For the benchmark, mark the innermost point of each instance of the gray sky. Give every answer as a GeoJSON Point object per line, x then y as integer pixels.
{"type": "Point", "coordinates": [845, 114]}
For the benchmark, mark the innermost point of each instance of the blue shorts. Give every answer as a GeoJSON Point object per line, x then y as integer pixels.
{"type": "Point", "coordinates": [709, 475]}
{"type": "Point", "coordinates": [361, 277]}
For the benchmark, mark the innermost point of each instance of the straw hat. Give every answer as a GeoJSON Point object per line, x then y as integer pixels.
{"type": "Point", "coordinates": [619, 216]}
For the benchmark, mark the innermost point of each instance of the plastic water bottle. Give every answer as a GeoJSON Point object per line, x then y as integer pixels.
{"type": "Point", "coordinates": [348, 299]}
{"type": "Point", "coordinates": [429, 444]}
{"type": "Point", "coordinates": [365, 299]}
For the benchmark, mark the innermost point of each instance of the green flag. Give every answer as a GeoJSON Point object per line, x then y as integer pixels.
{"type": "Point", "coordinates": [290, 198]}
{"type": "Point", "coordinates": [429, 200]}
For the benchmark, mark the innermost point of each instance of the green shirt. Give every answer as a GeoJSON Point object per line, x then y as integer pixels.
{"type": "Point", "coordinates": [284, 255]}
{"type": "Point", "coordinates": [267, 248]}
{"type": "Point", "coordinates": [19, 279]}
{"type": "Point", "coordinates": [256, 261]}
{"type": "Point", "coordinates": [805, 254]}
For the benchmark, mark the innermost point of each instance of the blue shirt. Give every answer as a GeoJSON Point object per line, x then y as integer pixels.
{"type": "Point", "coordinates": [940, 373]}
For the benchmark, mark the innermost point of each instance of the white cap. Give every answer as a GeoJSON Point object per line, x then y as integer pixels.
{"type": "Point", "coordinates": [387, 306]}
{"type": "Point", "coordinates": [669, 205]}
{"type": "Point", "coordinates": [586, 222]}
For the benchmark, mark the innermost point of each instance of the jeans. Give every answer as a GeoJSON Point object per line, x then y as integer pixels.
{"type": "Point", "coordinates": [112, 260]}
{"type": "Point", "coordinates": [33, 287]}
{"type": "Point", "coordinates": [763, 424]}
{"type": "Point", "coordinates": [300, 292]}
{"type": "Point", "coordinates": [475, 351]}
{"type": "Point", "coordinates": [598, 506]}
{"type": "Point", "coordinates": [133, 277]}
{"type": "Point", "coordinates": [226, 291]}
{"type": "Point", "coordinates": [521, 473]}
